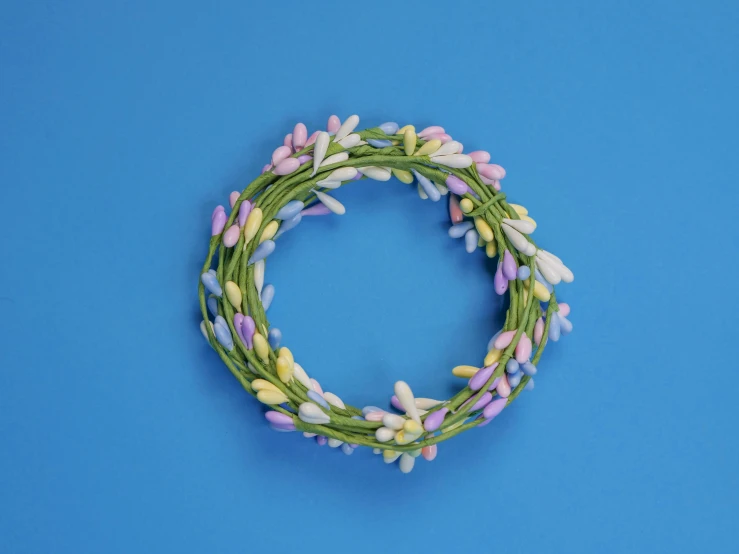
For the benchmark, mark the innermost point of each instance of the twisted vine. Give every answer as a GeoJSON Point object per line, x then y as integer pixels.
{"type": "Point", "coordinates": [270, 192]}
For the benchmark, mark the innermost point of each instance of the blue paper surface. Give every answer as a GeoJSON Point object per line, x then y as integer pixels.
{"type": "Point", "coordinates": [124, 123]}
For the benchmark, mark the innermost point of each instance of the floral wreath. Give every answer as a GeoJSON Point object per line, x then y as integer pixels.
{"type": "Point", "coordinates": [293, 186]}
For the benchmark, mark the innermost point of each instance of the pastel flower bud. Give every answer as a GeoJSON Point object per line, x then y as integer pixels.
{"type": "Point", "coordinates": [384, 434]}
{"type": "Point", "coordinates": [300, 374]}
{"type": "Point", "coordinates": [335, 159]}
{"type": "Point", "coordinates": [280, 153]}
{"type": "Point", "coordinates": [504, 339]}
{"type": "Point", "coordinates": [523, 349]}
{"type": "Point", "coordinates": [350, 141]}
{"type": "Point", "coordinates": [528, 368]}
{"type": "Point", "coordinates": [231, 236]}
{"type": "Point", "coordinates": [481, 377]}
{"type": "Point", "coordinates": [271, 398]}
{"type": "Point", "coordinates": [406, 463]}
{"type": "Point", "coordinates": [223, 334]}
{"type": "Point", "coordinates": [217, 209]}
{"type": "Point", "coordinates": [428, 187]}
{"type": "Point", "coordinates": [300, 136]}
{"type": "Point", "coordinates": [430, 131]}
{"type": "Point", "coordinates": [317, 398]}
{"type": "Point", "coordinates": [500, 283]}
{"type": "Point", "coordinates": [465, 371]}
{"type": "Point", "coordinates": [268, 295]}
{"type": "Point", "coordinates": [333, 124]}
{"type": "Point", "coordinates": [409, 141]}
{"type": "Point", "coordinates": [494, 408]}
{"type": "Point", "coordinates": [244, 211]}
{"type": "Point", "coordinates": [330, 202]}
{"type": "Point", "coordinates": [334, 400]}
{"type": "Point", "coordinates": [389, 128]}
{"type": "Point", "coordinates": [211, 283]}
{"type": "Point", "coordinates": [554, 327]}
{"type": "Point", "coordinates": [457, 161]}
{"type": "Point", "coordinates": [540, 291]}
{"type": "Point", "coordinates": [238, 321]}
{"type": "Point", "coordinates": [429, 452]}
{"type": "Point", "coordinates": [261, 347]}
{"type": "Point", "coordinates": [287, 166]}
{"type": "Point", "coordinates": [548, 272]}
{"type": "Point", "coordinates": [435, 419]}
{"type": "Point", "coordinates": [491, 342]}
{"type": "Point", "coordinates": [319, 150]}
{"type": "Point", "coordinates": [443, 137]}
{"type": "Point", "coordinates": [374, 416]}
{"type": "Point", "coordinates": [429, 148]}
{"type": "Point", "coordinates": [479, 156]}
{"type": "Point", "coordinates": [515, 380]}
{"type": "Point", "coordinates": [269, 231]}
{"type": "Point", "coordinates": [212, 304]}
{"type": "Point", "coordinates": [470, 241]}
{"type": "Point", "coordinates": [520, 225]}
{"type": "Point", "coordinates": [312, 139]}
{"type": "Point", "coordinates": [540, 279]}
{"type": "Point", "coordinates": [403, 176]}
{"type": "Point", "coordinates": [456, 185]}
{"type": "Point", "coordinates": [393, 421]}
{"type": "Point", "coordinates": [290, 209]}
{"type": "Point", "coordinates": [519, 241]}
{"type": "Point", "coordinates": [316, 209]}
{"type": "Point", "coordinates": [233, 293]}
{"type": "Point", "coordinates": [455, 212]}
{"type": "Point", "coordinates": [459, 230]}
{"type": "Point", "coordinates": [407, 400]}
{"type": "Point", "coordinates": [262, 251]}
{"type": "Point", "coordinates": [483, 401]}
{"type": "Point", "coordinates": [218, 222]}
{"type": "Point", "coordinates": [504, 388]}
{"type": "Point", "coordinates": [278, 418]}
{"type": "Point", "coordinates": [310, 413]}
{"type": "Point", "coordinates": [248, 328]}
{"type": "Point", "coordinates": [485, 232]}
{"type": "Point", "coordinates": [379, 143]}
{"type": "Point", "coordinates": [491, 171]}
{"type": "Point", "coordinates": [347, 127]}
{"type": "Point", "coordinates": [259, 276]}
{"type": "Point", "coordinates": [376, 173]}
{"type": "Point", "coordinates": [274, 337]}
{"type": "Point", "coordinates": [509, 266]}
{"type": "Point", "coordinates": [289, 224]}
{"type": "Point", "coordinates": [451, 147]}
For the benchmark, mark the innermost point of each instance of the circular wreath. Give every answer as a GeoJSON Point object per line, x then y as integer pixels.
{"type": "Point", "coordinates": [293, 186]}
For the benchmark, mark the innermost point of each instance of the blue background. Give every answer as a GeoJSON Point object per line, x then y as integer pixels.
{"type": "Point", "coordinates": [124, 123]}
